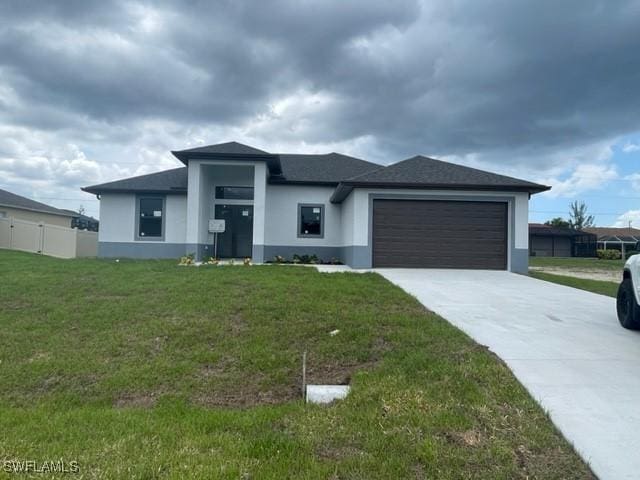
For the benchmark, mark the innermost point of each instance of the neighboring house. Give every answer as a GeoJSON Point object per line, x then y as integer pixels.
{"type": "Point", "coordinates": [22, 208]}
{"type": "Point", "coordinates": [419, 212]}
{"type": "Point", "coordinates": [83, 222]}
{"type": "Point", "coordinates": [550, 241]}
{"type": "Point", "coordinates": [617, 238]}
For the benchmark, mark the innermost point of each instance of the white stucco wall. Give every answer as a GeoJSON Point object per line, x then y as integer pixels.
{"type": "Point", "coordinates": [176, 219]}
{"type": "Point", "coordinates": [204, 176]}
{"type": "Point", "coordinates": [348, 223]}
{"type": "Point", "coordinates": [281, 216]}
{"type": "Point", "coordinates": [118, 218]}
{"type": "Point", "coordinates": [521, 228]}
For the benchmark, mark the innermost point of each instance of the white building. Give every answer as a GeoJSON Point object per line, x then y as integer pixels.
{"type": "Point", "coordinates": [419, 212]}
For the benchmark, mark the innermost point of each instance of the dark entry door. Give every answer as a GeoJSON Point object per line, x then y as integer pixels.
{"type": "Point", "coordinates": [237, 239]}
{"type": "Point", "coordinates": [439, 234]}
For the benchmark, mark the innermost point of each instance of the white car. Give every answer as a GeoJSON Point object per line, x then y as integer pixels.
{"type": "Point", "coordinates": [628, 300]}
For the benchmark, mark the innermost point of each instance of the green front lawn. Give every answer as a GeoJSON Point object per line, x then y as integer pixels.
{"type": "Point", "coordinates": [575, 262]}
{"type": "Point", "coordinates": [596, 286]}
{"type": "Point", "coordinates": [143, 369]}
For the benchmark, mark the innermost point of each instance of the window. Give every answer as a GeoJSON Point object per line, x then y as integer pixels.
{"type": "Point", "coordinates": [151, 211]}
{"type": "Point", "coordinates": [3, 214]}
{"type": "Point", "coordinates": [311, 221]}
{"type": "Point", "coordinates": [234, 193]}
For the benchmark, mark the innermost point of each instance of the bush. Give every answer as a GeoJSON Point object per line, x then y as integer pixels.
{"type": "Point", "coordinates": [188, 259]}
{"type": "Point", "coordinates": [609, 254]}
{"type": "Point", "coordinates": [306, 259]}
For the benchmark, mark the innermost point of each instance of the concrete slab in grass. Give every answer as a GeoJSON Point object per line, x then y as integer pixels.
{"type": "Point", "coordinates": [326, 393]}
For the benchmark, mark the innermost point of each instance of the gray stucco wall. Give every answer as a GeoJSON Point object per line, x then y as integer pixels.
{"type": "Point", "coordinates": [141, 250]}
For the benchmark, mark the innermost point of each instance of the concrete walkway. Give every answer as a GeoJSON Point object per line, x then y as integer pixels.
{"type": "Point", "coordinates": [564, 345]}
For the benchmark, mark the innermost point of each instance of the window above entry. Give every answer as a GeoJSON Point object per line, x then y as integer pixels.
{"type": "Point", "coordinates": [311, 220]}
{"type": "Point", "coordinates": [234, 193]}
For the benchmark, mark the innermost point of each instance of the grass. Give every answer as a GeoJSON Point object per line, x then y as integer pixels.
{"type": "Point", "coordinates": [576, 262]}
{"type": "Point", "coordinates": [596, 286]}
{"type": "Point", "coordinates": [144, 370]}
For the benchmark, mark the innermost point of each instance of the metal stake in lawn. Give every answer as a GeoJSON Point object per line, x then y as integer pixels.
{"type": "Point", "coordinates": [304, 374]}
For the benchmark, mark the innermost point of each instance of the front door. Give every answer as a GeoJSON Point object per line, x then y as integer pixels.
{"type": "Point", "coordinates": [237, 239]}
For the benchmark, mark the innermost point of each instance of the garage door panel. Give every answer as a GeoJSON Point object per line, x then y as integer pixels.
{"type": "Point", "coordinates": [439, 234]}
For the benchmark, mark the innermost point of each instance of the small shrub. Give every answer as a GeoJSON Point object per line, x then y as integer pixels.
{"type": "Point", "coordinates": [609, 254]}
{"type": "Point", "coordinates": [188, 259]}
{"type": "Point", "coordinates": [247, 261]}
{"type": "Point", "coordinates": [210, 261]}
{"type": "Point", "coordinates": [306, 259]}
{"type": "Point", "coordinates": [279, 259]}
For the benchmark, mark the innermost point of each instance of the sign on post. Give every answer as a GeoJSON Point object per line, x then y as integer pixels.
{"type": "Point", "coordinates": [216, 226]}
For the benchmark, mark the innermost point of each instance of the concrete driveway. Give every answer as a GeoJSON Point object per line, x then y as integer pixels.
{"type": "Point", "coordinates": [564, 345]}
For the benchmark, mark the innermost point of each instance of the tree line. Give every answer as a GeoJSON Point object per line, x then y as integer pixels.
{"type": "Point", "coordinates": [579, 217]}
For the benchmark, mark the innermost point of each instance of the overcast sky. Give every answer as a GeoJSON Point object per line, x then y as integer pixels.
{"type": "Point", "coordinates": [545, 90]}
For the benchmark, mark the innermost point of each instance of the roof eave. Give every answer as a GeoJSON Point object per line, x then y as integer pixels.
{"type": "Point", "coordinates": [99, 191]}
{"type": "Point", "coordinates": [344, 188]}
{"type": "Point", "coordinates": [272, 160]}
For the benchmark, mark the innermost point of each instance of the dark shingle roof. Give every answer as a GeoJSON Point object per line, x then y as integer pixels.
{"type": "Point", "coordinates": [327, 169]}
{"type": "Point", "coordinates": [424, 172]}
{"type": "Point", "coordinates": [330, 168]}
{"type": "Point", "coordinates": [8, 199]}
{"type": "Point", "coordinates": [174, 180]}
{"type": "Point", "coordinates": [428, 171]}
{"type": "Point", "coordinates": [227, 148]}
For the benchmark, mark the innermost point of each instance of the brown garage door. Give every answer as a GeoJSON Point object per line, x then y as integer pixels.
{"type": "Point", "coordinates": [439, 234]}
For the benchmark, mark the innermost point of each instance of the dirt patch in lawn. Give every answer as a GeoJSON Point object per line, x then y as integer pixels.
{"type": "Point", "coordinates": [246, 395]}
{"type": "Point", "coordinates": [586, 273]}
{"type": "Point", "coordinates": [249, 391]}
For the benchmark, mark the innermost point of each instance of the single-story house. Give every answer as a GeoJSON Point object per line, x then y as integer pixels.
{"type": "Point", "coordinates": [616, 238]}
{"type": "Point", "coordinates": [550, 241]}
{"type": "Point", "coordinates": [418, 212]}
{"type": "Point", "coordinates": [23, 208]}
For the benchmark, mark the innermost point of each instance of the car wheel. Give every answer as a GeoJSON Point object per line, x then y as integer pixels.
{"type": "Point", "coordinates": [628, 310]}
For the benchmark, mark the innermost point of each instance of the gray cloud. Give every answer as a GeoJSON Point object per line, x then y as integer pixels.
{"type": "Point", "coordinates": [511, 83]}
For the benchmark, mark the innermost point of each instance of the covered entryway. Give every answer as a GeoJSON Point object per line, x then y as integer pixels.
{"type": "Point", "coordinates": [440, 234]}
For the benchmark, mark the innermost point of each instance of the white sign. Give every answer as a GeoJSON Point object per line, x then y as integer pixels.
{"type": "Point", "coordinates": [216, 226]}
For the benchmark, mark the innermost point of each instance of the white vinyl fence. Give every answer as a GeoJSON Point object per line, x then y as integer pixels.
{"type": "Point", "coordinates": [47, 239]}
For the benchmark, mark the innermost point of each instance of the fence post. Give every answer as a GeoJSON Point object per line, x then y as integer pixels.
{"type": "Point", "coordinates": [41, 246]}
